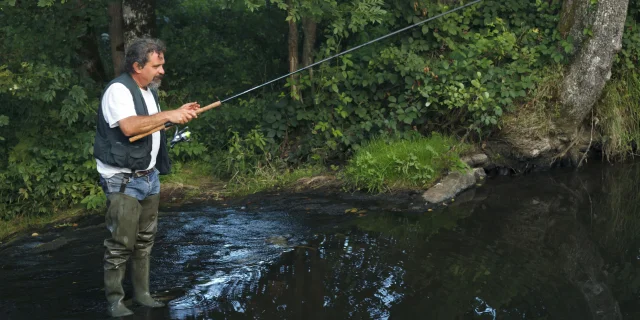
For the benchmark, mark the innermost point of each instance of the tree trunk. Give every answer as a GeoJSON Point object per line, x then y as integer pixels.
{"type": "Point", "coordinates": [309, 27]}
{"type": "Point", "coordinates": [139, 19]}
{"type": "Point", "coordinates": [578, 91]}
{"type": "Point", "coordinates": [293, 53]}
{"type": "Point", "coordinates": [116, 36]}
{"type": "Point", "coordinates": [89, 53]}
{"type": "Point", "coordinates": [591, 67]}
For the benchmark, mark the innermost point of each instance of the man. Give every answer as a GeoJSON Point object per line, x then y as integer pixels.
{"type": "Point", "coordinates": [129, 171]}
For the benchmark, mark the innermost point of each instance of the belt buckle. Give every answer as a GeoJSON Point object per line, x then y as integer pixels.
{"type": "Point", "coordinates": [143, 173]}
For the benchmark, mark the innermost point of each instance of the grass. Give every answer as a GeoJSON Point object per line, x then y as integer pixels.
{"type": "Point", "coordinates": [383, 165]}
{"type": "Point", "coordinates": [535, 118]}
{"type": "Point", "coordinates": [617, 115]}
{"type": "Point", "coordinates": [198, 178]}
{"type": "Point", "coordinates": [268, 178]}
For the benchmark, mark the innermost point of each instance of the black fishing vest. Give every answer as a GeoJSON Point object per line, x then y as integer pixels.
{"type": "Point", "coordinates": [113, 147]}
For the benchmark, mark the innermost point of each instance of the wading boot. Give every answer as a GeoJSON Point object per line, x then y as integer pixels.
{"type": "Point", "coordinates": [122, 216]}
{"type": "Point", "coordinates": [147, 227]}
{"type": "Point", "coordinates": [115, 294]}
{"type": "Point", "coordinates": [140, 280]}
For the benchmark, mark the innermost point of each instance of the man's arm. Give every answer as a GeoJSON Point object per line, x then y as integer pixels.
{"type": "Point", "coordinates": [135, 125]}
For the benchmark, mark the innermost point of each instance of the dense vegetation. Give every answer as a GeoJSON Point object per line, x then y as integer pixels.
{"type": "Point", "coordinates": [457, 75]}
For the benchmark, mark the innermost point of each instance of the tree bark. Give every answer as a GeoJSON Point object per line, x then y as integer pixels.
{"type": "Point", "coordinates": [116, 36]}
{"type": "Point", "coordinates": [139, 19]}
{"type": "Point", "coordinates": [309, 27]}
{"type": "Point", "coordinates": [591, 68]}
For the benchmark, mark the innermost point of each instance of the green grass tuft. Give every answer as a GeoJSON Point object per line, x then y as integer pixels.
{"type": "Point", "coordinates": [387, 165]}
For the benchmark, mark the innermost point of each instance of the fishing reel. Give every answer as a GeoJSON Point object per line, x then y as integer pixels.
{"type": "Point", "coordinates": [180, 136]}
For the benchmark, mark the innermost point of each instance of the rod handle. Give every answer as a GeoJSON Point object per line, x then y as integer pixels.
{"type": "Point", "coordinates": [169, 124]}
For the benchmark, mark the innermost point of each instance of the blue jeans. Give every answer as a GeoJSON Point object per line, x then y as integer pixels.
{"type": "Point", "coordinates": [138, 187]}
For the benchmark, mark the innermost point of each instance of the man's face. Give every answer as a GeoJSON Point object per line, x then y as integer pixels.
{"type": "Point", "coordinates": [151, 74]}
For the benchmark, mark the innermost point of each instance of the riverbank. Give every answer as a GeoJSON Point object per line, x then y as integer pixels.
{"type": "Point", "coordinates": [187, 188]}
{"type": "Point", "coordinates": [397, 169]}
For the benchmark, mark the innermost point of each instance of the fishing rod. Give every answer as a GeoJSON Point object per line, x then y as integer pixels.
{"type": "Point", "coordinates": [183, 135]}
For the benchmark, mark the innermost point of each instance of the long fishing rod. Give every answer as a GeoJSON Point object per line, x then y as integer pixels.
{"type": "Point", "coordinates": [218, 103]}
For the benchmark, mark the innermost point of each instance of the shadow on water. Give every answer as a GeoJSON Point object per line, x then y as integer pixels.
{"type": "Point", "coordinates": [554, 245]}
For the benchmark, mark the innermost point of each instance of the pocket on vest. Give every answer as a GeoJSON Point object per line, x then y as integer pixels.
{"type": "Point", "coordinates": [139, 157]}
{"type": "Point", "coordinates": [119, 155]}
{"type": "Point", "coordinates": [131, 157]}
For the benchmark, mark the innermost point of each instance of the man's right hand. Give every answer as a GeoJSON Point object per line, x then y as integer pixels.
{"type": "Point", "coordinates": [184, 114]}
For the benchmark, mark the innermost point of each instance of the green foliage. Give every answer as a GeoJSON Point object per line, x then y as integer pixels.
{"type": "Point", "coordinates": [4, 120]}
{"type": "Point", "coordinates": [46, 161]}
{"type": "Point", "coordinates": [382, 165]}
{"type": "Point", "coordinates": [627, 58]}
{"type": "Point", "coordinates": [462, 72]}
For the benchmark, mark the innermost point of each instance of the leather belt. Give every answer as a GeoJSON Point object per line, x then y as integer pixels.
{"type": "Point", "coordinates": [143, 173]}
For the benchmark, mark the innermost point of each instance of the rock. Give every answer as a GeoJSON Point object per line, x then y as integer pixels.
{"type": "Point", "coordinates": [35, 234]}
{"type": "Point", "coordinates": [480, 159]}
{"type": "Point", "coordinates": [479, 173]}
{"type": "Point", "coordinates": [449, 186]}
{"type": "Point", "coordinates": [476, 160]}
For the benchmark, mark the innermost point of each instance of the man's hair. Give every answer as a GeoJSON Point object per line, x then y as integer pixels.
{"type": "Point", "coordinates": [138, 51]}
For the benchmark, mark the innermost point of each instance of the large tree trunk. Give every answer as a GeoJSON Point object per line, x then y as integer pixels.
{"type": "Point", "coordinates": [591, 67]}
{"type": "Point", "coordinates": [116, 36]}
{"type": "Point", "coordinates": [139, 19]}
{"type": "Point", "coordinates": [578, 92]}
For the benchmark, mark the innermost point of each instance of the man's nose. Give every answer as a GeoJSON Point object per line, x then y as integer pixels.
{"type": "Point", "coordinates": [161, 70]}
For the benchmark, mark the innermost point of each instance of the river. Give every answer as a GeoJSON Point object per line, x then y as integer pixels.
{"type": "Point", "coordinates": [561, 244]}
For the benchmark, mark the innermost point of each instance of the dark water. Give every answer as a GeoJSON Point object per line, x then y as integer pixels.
{"type": "Point", "coordinates": [555, 245]}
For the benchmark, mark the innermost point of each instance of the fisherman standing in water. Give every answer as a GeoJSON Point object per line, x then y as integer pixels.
{"type": "Point", "coordinates": [129, 172]}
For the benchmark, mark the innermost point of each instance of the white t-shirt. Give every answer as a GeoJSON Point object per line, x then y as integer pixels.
{"type": "Point", "coordinates": [117, 104]}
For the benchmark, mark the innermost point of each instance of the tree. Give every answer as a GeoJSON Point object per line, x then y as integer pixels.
{"type": "Point", "coordinates": [139, 19]}
{"type": "Point", "coordinates": [593, 32]}
{"type": "Point", "coordinates": [597, 28]}
{"type": "Point", "coordinates": [116, 36]}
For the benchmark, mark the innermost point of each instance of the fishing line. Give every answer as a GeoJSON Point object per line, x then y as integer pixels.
{"type": "Point", "coordinates": [353, 49]}
{"type": "Point", "coordinates": [184, 135]}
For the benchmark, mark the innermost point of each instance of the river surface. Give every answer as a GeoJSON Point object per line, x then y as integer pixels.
{"type": "Point", "coordinates": [562, 244]}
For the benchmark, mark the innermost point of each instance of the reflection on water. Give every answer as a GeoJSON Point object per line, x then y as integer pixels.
{"type": "Point", "coordinates": [555, 245]}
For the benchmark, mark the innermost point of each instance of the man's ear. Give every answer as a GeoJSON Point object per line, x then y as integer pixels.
{"type": "Point", "coordinates": [137, 68]}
